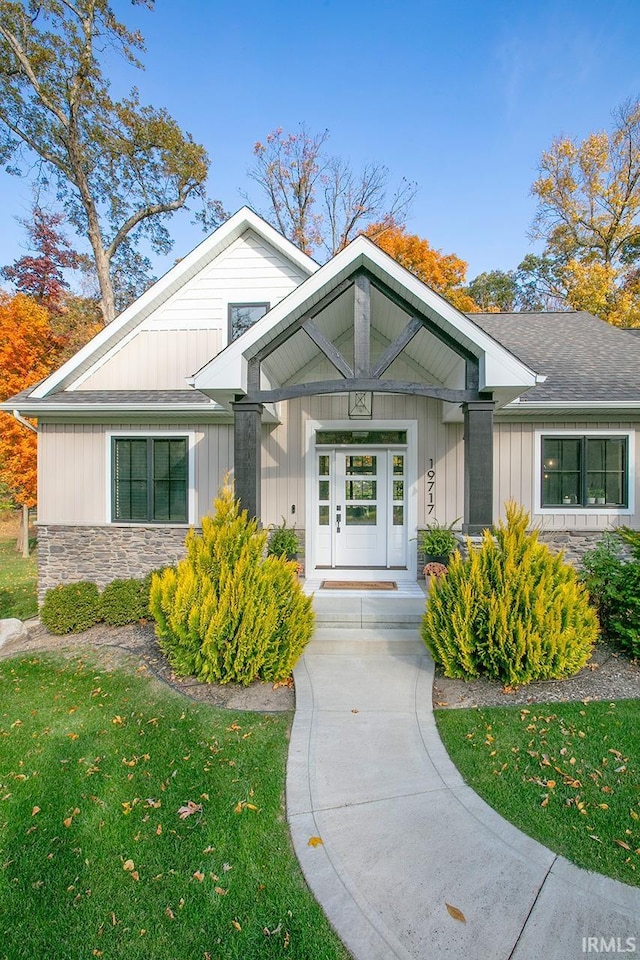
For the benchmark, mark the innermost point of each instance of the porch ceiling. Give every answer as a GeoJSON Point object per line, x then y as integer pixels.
{"type": "Point", "coordinates": [425, 358]}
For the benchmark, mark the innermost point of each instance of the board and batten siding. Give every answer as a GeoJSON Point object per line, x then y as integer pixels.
{"type": "Point", "coordinates": [516, 476]}
{"type": "Point", "coordinates": [283, 454]}
{"type": "Point", "coordinates": [72, 474]}
{"type": "Point", "coordinates": [191, 327]}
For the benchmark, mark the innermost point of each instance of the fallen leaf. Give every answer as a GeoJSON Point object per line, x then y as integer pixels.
{"type": "Point", "coordinates": [117, 720]}
{"type": "Point", "coordinates": [236, 924]}
{"type": "Point", "coordinates": [158, 829]}
{"type": "Point", "coordinates": [169, 912]}
{"type": "Point", "coordinates": [135, 874]}
{"type": "Point", "coordinates": [221, 891]}
{"type": "Point", "coordinates": [68, 821]}
{"type": "Point", "coordinates": [189, 808]}
{"type": "Point", "coordinates": [455, 913]}
{"type": "Point", "coordinates": [128, 865]}
{"type": "Point", "coordinates": [34, 811]}
{"type": "Point", "coordinates": [315, 842]}
{"type": "Point", "coordinates": [623, 844]}
{"type": "Point", "coordinates": [199, 875]}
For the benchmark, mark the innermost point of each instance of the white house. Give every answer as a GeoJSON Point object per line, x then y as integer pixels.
{"type": "Point", "coordinates": [349, 399]}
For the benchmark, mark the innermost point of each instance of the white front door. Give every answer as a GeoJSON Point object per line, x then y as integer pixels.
{"type": "Point", "coordinates": [360, 514]}
{"type": "Point", "coordinates": [360, 508]}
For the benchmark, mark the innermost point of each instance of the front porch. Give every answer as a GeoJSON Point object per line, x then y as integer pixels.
{"type": "Point", "coordinates": [415, 384]}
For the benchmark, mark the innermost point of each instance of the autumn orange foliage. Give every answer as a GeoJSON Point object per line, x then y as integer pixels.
{"type": "Point", "coordinates": [443, 272]}
{"type": "Point", "coordinates": [28, 352]}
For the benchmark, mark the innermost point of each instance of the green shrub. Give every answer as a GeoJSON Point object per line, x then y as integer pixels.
{"type": "Point", "coordinates": [226, 612]}
{"type": "Point", "coordinates": [613, 583]}
{"type": "Point", "coordinates": [71, 608]}
{"type": "Point", "coordinates": [512, 611]}
{"type": "Point", "coordinates": [125, 601]}
{"type": "Point", "coordinates": [283, 540]}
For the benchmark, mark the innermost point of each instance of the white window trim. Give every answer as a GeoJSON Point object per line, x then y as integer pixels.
{"type": "Point", "coordinates": [141, 434]}
{"type": "Point", "coordinates": [576, 508]}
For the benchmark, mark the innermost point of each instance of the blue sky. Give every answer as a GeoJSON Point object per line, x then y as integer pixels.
{"type": "Point", "coordinates": [461, 97]}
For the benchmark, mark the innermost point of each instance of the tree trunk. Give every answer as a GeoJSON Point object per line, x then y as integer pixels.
{"type": "Point", "coordinates": [107, 300]}
{"type": "Point", "coordinates": [22, 544]}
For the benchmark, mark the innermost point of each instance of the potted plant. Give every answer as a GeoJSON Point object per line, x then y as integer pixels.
{"type": "Point", "coordinates": [283, 539]}
{"type": "Point", "coordinates": [600, 495]}
{"type": "Point", "coordinates": [437, 542]}
{"type": "Point", "coordinates": [591, 495]}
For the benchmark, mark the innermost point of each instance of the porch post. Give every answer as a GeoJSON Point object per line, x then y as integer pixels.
{"type": "Point", "coordinates": [478, 466]}
{"type": "Point", "coordinates": [247, 444]}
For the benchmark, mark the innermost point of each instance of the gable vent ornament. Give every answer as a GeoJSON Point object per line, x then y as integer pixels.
{"type": "Point", "coordinates": [360, 405]}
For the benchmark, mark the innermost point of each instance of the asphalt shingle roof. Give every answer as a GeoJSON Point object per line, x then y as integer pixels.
{"type": "Point", "coordinates": [125, 397]}
{"type": "Point", "coordinates": [583, 358]}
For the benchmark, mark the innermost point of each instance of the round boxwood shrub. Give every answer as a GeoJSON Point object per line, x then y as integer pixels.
{"type": "Point", "coordinates": [125, 601]}
{"type": "Point", "coordinates": [226, 612]}
{"type": "Point", "coordinates": [71, 607]}
{"type": "Point", "coordinates": [512, 611]}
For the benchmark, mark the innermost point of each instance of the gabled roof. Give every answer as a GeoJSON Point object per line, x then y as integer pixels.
{"type": "Point", "coordinates": [499, 368]}
{"type": "Point", "coordinates": [245, 219]}
{"type": "Point", "coordinates": [585, 360]}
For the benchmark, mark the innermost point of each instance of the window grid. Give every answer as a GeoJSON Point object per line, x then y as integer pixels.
{"type": "Point", "coordinates": [149, 479]}
{"type": "Point", "coordinates": [584, 471]}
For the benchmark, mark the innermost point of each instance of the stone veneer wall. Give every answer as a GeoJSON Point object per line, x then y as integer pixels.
{"type": "Point", "coordinates": [67, 554]}
{"type": "Point", "coordinates": [575, 543]}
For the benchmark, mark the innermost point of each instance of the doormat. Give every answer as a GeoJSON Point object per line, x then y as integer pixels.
{"type": "Point", "coordinates": [358, 585]}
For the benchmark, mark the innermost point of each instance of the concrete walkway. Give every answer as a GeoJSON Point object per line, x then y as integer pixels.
{"type": "Point", "coordinates": [402, 836]}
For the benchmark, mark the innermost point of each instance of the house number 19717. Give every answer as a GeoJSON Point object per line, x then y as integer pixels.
{"type": "Point", "coordinates": [431, 488]}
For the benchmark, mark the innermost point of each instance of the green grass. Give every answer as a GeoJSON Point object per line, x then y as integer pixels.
{"type": "Point", "coordinates": [566, 774]}
{"type": "Point", "coordinates": [95, 859]}
{"type": "Point", "coordinates": [18, 581]}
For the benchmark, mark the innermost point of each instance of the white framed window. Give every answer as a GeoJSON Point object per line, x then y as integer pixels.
{"type": "Point", "coordinates": [587, 470]}
{"type": "Point", "coordinates": [150, 477]}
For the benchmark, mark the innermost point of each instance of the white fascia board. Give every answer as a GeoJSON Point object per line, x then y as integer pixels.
{"type": "Point", "coordinates": [580, 406]}
{"type": "Point", "coordinates": [498, 367]}
{"type": "Point", "coordinates": [206, 251]}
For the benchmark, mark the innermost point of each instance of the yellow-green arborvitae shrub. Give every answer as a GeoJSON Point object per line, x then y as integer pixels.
{"type": "Point", "coordinates": [512, 610]}
{"type": "Point", "coordinates": [226, 612]}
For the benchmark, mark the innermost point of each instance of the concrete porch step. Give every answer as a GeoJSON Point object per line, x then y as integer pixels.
{"type": "Point", "coordinates": [368, 611]}
{"type": "Point", "coordinates": [332, 641]}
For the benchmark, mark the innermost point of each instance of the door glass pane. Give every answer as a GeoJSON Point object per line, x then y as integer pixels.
{"type": "Point", "coordinates": [398, 465]}
{"type": "Point", "coordinates": [360, 489]}
{"type": "Point", "coordinates": [398, 489]}
{"type": "Point", "coordinates": [323, 516]}
{"type": "Point", "coordinates": [323, 489]}
{"type": "Point", "coordinates": [398, 515]}
{"type": "Point", "coordinates": [363, 466]}
{"type": "Point", "coordinates": [361, 516]}
{"type": "Point", "coordinates": [323, 465]}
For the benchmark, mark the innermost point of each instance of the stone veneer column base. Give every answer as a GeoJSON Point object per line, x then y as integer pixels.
{"type": "Point", "coordinates": [67, 554]}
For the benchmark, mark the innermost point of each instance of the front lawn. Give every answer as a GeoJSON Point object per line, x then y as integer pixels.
{"type": "Point", "coordinates": [18, 578]}
{"type": "Point", "coordinates": [566, 774]}
{"type": "Point", "coordinates": [136, 824]}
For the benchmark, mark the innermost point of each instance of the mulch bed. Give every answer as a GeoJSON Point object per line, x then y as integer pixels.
{"type": "Point", "coordinates": [609, 675]}
{"type": "Point", "coordinates": [135, 647]}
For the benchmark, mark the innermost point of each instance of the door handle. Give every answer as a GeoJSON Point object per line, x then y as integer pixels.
{"type": "Point", "coordinates": [338, 519]}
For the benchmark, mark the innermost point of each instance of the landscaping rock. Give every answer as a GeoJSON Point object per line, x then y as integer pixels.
{"type": "Point", "coordinates": [11, 629]}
